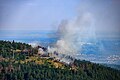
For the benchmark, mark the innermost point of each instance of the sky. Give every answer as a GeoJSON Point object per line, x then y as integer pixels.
{"type": "Point", "coordinates": [47, 14]}
{"type": "Point", "coordinates": [35, 14]}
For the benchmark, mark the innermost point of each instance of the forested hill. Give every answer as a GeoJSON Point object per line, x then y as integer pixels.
{"type": "Point", "coordinates": [19, 61]}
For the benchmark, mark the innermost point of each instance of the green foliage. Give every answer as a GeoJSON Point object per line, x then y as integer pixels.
{"type": "Point", "coordinates": [85, 70]}
{"type": "Point", "coordinates": [7, 48]}
{"type": "Point", "coordinates": [32, 71]}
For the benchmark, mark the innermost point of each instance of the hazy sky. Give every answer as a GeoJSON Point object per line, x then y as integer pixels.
{"type": "Point", "coordinates": [35, 14]}
{"type": "Point", "coordinates": [47, 14]}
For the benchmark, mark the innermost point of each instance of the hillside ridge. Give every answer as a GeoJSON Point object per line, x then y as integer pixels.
{"type": "Point", "coordinates": [19, 61]}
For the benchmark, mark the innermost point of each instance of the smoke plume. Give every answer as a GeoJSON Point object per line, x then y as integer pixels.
{"type": "Point", "coordinates": [72, 33]}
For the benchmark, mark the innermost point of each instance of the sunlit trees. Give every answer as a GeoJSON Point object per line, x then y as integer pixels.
{"type": "Point", "coordinates": [85, 70]}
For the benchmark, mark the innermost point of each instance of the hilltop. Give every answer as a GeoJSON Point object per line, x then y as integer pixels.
{"type": "Point", "coordinates": [20, 61]}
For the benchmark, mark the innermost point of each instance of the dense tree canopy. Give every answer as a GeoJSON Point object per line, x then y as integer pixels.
{"type": "Point", "coordinates": [13, 68]}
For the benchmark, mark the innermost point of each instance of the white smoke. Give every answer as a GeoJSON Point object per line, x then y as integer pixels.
{"type": "Point", "coordinates": [34, 44]}
{"type": "Point", "coordinates": [72, 34]}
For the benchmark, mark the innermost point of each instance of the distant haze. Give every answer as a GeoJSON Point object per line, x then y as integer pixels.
{"type": "Point", "coordinates": [48, 14]}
